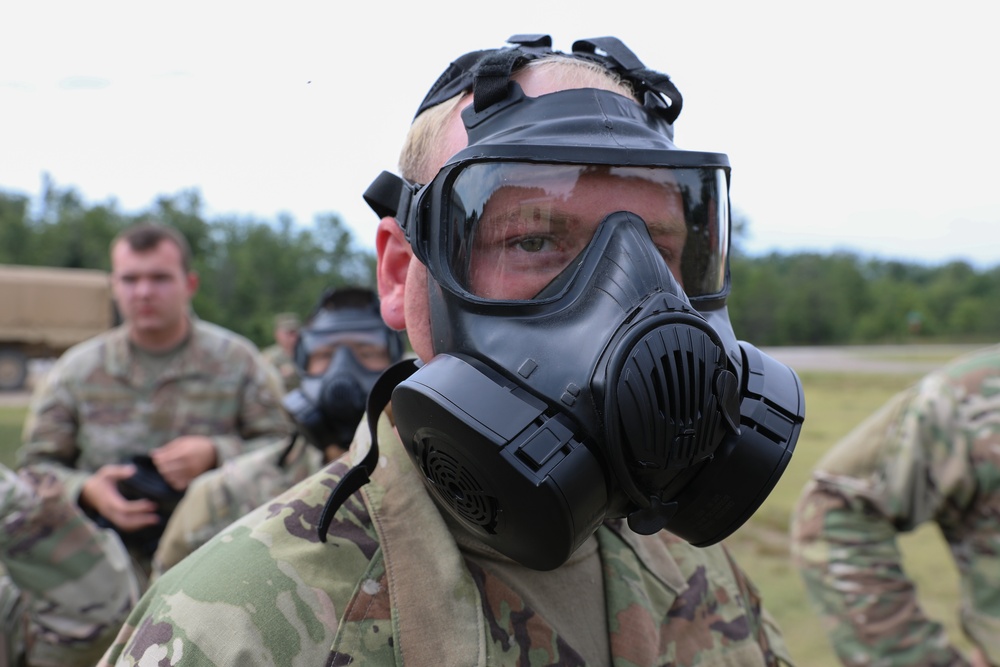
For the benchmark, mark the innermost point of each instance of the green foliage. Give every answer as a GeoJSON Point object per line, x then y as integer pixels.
{"type": "Point", "coordinates": [249, 269]}
{"type": "Point", "coordinates": [15, 234]}
{"type": "Point", "coordinates": [11, 423]}
{"type": "Point", "coordinates": [812, 299]}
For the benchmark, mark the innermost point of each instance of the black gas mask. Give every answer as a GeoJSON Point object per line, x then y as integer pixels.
{"type": "Point", "coordinates": [328, 406]}
{"type": "Point", "coordinates": [585, 367]}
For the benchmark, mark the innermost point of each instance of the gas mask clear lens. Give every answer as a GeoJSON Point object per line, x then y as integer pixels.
{"type": "Point", "coordinates": [509, 228]}
{"type": "Point", "coordinates": [370, 349]}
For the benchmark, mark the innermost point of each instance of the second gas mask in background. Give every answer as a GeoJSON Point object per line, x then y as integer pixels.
{"type": "Point", "coordinates": [341, 351]}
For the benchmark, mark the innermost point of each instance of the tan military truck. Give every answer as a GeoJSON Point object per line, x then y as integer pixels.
{"type": "Point", "coordinates": [44, 311]}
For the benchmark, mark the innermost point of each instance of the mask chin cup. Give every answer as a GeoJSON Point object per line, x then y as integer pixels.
{"type": "Point", "coordinates": [732, 485]}
{"type": "Point", "coordinates": [519, 480]}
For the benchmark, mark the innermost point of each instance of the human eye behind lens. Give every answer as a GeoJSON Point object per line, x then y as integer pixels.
{"type": "Point", "coordinates": [518, 230]}
{"type": "Point", "coordinates": [532, 244]}
{"type": "Point", "coordinates": [372, 357]}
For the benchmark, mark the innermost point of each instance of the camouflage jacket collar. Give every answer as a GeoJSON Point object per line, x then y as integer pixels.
{"type": "Point", "coordinates": [422, 560]}
{"type": "Point", "coordinates": [120, 359]}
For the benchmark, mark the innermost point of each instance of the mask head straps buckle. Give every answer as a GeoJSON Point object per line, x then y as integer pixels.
{"type": "Point", "coordinates": [487, 72]}
{"type": "Point", "coordinates": [647, 82]}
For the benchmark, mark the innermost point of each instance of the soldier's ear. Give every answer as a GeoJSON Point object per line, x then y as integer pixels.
{"type": "Point", "coordinates": [394, 257]}
{"type": "Point", "coordinates": [191, 282]}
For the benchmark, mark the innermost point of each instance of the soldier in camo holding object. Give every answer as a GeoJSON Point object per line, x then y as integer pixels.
{"type": "Point", "coordinates": [388, 569]}
{"type": "Point", "coordinates": [929, 455]}
{"type": "Point", "coordinates": [187, 394]}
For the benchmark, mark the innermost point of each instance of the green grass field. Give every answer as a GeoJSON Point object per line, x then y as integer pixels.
{"type": "Point", "coordinates": [11, 422]}
{"type": "Point", "coordinates": [835, 403]}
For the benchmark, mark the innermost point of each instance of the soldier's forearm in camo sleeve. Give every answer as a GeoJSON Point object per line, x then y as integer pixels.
{"type": "Point", "coordinates": [980, 611]}
{"type": "Point", "coordinates": [80, 576]}
{"type": "Point", "coordinates": [49, 437]}
{"type": "Point", "coordinates": [847, 555]}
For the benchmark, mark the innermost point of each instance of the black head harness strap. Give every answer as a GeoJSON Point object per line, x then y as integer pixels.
{"type": "Point", "coordinates": [460, 74]}
{"type": "Point", "coordinates": [359, 475]}
{"type": "Point", "coordinates": [492, 78]}
{"type": "Point", "coordinates": [619, 58]}
{"type": "Point", "coordinates": [487, 72]}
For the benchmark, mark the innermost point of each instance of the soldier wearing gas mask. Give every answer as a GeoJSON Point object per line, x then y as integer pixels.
{"type": "Point", "coordinates": [341, 351]}
{"type": "Point", "coordinates": [549, 482]}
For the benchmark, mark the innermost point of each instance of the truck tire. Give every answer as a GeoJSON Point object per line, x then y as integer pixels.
{"type": "Point", "coordinates": [13, 369]}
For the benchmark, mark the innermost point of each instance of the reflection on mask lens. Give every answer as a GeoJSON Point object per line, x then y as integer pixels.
{"type": "Point", "coordinates": [516, 226]}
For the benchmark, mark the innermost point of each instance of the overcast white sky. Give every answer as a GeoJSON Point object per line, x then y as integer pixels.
{"type": "Point", "coordinates": [866, 126]}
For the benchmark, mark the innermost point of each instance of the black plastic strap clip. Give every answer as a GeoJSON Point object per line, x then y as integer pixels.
{"type": "Point", "coordinates": [360, 474]}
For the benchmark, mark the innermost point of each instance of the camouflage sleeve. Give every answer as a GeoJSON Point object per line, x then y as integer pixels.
{"type": "Point", "coordinates": [50, 430]}
{"type": "Point", "coordinates": [218, 497]}
{"type": "Point", "coordinates": [212, 608]}
{"type": "Point", "coordinates": [907, 464]}
{"type": "Point", "coordinates": [262, 419]}
{"type": "Point", "coordinates": [79, 578]}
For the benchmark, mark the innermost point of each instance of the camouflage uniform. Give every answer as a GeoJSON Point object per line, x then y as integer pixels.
{"type": "Point", "coordinates": [931, 454]}
{"type": "Point", "coordinates": [218, 497]}
{"type": "Point", "coordinates": [59, 559]}
{"type": "Point", "coordinates": [392, 587]}
{"type": "Point", "coordinates": [96, 406]}
{"type": "Point", "coordinates": [280, 359]}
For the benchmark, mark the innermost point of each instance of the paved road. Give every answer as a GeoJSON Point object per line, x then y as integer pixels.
{"type": "Point", "coordinates": [912, 359]}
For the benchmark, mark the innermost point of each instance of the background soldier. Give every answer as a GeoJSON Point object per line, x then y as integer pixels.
{"type": "Point", "coordinates": [931, 454]}
{"type": "Point", "coordinates": [126, 421]}
{"type": "Point", "coordinates": [286, 335]}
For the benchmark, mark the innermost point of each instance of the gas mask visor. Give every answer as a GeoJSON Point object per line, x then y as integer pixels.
{"type": "Point", "coordinates": [504, 230]}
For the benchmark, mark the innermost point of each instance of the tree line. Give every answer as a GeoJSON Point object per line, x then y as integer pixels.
{"type": "Point", "coordinates": [252, 268]}
{"type": "Point", "coordinates": [249, 269]}
{"type": "Point", "coordinates": [841, 298]}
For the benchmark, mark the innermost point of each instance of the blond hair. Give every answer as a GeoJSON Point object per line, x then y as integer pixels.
{"type": "Point", "coordinates": [420, 157]}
